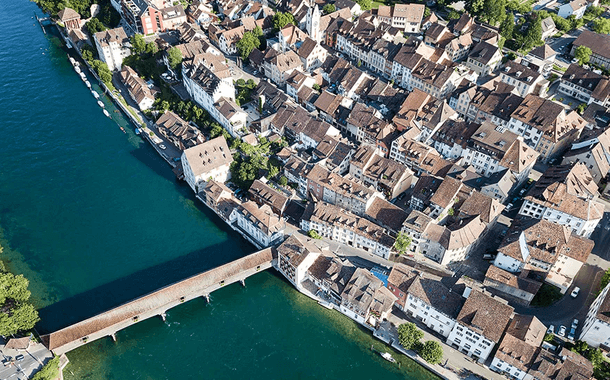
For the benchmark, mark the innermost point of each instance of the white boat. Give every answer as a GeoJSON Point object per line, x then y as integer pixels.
{"type": "Point", "coordinates": [388, 357]}
{"type": "Point", "coordinates": [88, 84]}
{"type": "Point", "coordinates": [95, 94]}
{"type": "Point", "coordinates": [77, 69]}
{"type": "Point", "coordinates": [106, 113]}
{"type": "Point", "coordinates": [72, 61]}
{"type": "Point", "coordinates": [99, 103]}
{"type": "Point", "coordinates": [83, 76]}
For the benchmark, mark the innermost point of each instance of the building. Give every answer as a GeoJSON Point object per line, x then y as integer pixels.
{"type": "Point", "coordinates": [407, 17]}
{"type": "Point", "coordinates": [180, 133]}
{"type": "Point", "coordinates": [585, 85]}
{"type": "Point", "coordinates": [541, 57]}
{"type": "Point", "coordinates": [400, 279]}
{"type": "Point", "coordinates": [480, 324]}
{"type": "Point", "coordinates": [365, 299]}
{"type": "Point", "coordinates": [209, 160]}
{"type": "Point", "coordinates": [259, 225]}
{"type": "Point", "coordinates": [509, 285]}
{"type": "Point", "coordinates": [337, 224]}
{"type": "Point", "coordinates": [70, 18]}
{"type": "Point", "coordinates": [574, 8]}
{"type": "Point", "coordinates": [548, 28]}
{"type": "Point", "coordinates": [599, 45]}
{"type": "Point", "coordinates": [594, 153]}
{"type": "Point", "coordinates": [112, 47]}
{"type": "Point", "coordinates": [519, 346]}
{"type": "Point", "coordinates": [545, 247]}
{"type": "Point", "coordinates": [261, 193]}
{"type": "Point", "coordinates": [564, 364]}
{"type": "Point", "coordinates": [278, 66]}
{"type": "Point", "coordinates": [526, 80]}
{"type": "Point", "coordinates": [596, 329]}
{"type": "Point", "coordinates": [434, 304]}
{"type": "Point", "coordinates": [561, 200]}
{"type": "Point", "coordinates": [137, 88]}
{"type": "Point", "coordinates": [312, 54]}
{"type": "Point", "coordinates": [296, 255]}
{"type": "Point", "coordinates": [219, 198]}
{"type": "Point", "coordinates": [151, 16]}
{"type": "Point", "coordinates": [484, 58]}
{"type": "Point", "coordinates": [331, 275]}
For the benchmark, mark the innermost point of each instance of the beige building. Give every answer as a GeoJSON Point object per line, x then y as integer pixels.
{"type": "Point", "coordinates": [206, 161]}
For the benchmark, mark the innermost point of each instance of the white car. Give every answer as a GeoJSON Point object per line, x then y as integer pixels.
{"type": "Point", "coordinates": [575, 292]}
{"type": "Point", "coordinates": [508, 207]}
{"type": "Point", "coordinates": [551, 330]}
{"type": "Point", "coordinates": [562, 331]}
{"type": "Point", "coordinates": [162, 146]}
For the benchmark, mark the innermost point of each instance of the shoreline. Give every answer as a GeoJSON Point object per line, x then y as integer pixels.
{"type": "Point", "coordinates": [439, 372]}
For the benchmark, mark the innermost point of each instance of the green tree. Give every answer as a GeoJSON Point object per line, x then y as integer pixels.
{"type": "Point", "coordinates": [88, 53]}
{"type": "Point", "coordinates": [317, 87]}
{"type": "Point", "coordinates": [174, 57]}
{"type": "Point", "coordinates": [596, 356]}
{"type": "Point", "coordinates": [151, 48]}
{"type": "Point", "coordinates": [280, 20]}
{"type": "Point", "coordinates": [247, 43]}
{"type": "Point", "coordinates": [594, 11]}
{"type": "Point", "coordinates": [273, 171]}
{"type": "Point", "coordinates": [475, 7]}
{"type": "Point", "coordinates": [431, 351]}
{"type": "Point", "coordinates": [602, 26]}
{"type": "Point", "coordinates": [453, 15]}
{"type": "Point", "coordinates": [94, 25]}
{"type": "Point", "coordinates": [402, 243]}
{"type": "Point", "coordinates": [314, 234]}
{"type": "Point", "coordinates": [583, 54]}
{"type": "Point", "coordinates": [549, 337]}
{"type": "Point", "coordinates": [329, 8]}
{"type": "Point", "coordinates": [138, 44]}
{"type": "Point", "coordinates": [283, 181]}
{"type": "Point", "coordinates": [409, 335]}
{"type": "Point", "coordinates": [605, 280]}
{"type": "Point", "coordinates": [581, 108]}
{"type": "Point", "coordinates": [365, 4]}
{"type": "Point", "coordinates": [102, 70]}
{"type": "Point", "coordinates": [427, 12]}
{"type": "Point", "coordinates": [50, 371]}
{"type": "Point", "coordinates": [507, 26]}
{"type": "Point", "coordinates": [494, 11]}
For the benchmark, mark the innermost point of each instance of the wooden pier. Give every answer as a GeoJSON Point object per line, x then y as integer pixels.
{"type": "Point", "coordinates": [157, 303]}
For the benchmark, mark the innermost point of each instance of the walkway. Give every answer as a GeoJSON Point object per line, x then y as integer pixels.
{"type": "Point", "coordinates": [156, 303]}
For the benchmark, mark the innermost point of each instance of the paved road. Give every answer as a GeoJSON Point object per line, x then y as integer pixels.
{"type": "Point", "coordinates": [560, 45]}
{"type": "Point", "coordinates": [32, 361]}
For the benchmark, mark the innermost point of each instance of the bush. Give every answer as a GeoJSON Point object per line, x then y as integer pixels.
{"type": "Point", "coordinates": [50, 371]}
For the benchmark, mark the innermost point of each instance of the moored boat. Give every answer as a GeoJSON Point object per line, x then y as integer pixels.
{"type": "Point", "coordinates": [388, 357]}
{"type": "Point", "coordinates": [99, 103]}
{"type": "Point", "coordinates": [106, 113]}
{"type": "Point", "coordinates": [138, 131]}
{"type": "Point", "coordinates": [77, 69]}
{"type": "Point", "coordinates": [95, 94]}
{"type": "Point", "coordinates": [123, 129]}
{"type": "Point", "coordinates": [72, 61]}
{"type": "Point", "coordinates": [88, 84]}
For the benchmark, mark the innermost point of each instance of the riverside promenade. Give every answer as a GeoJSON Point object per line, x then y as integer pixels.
{"type": "Point", "coordinates": [157, 303]}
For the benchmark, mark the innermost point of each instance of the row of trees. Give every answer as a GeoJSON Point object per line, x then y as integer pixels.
{"type": "Point", "coordinates": [410, 338]}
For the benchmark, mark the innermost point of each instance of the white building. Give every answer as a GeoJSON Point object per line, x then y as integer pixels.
{"type": "Point", "coordinates": [112, 47]}
{"type": "Point", "coordinates": [574, 8]}
{"type": "Point", "coordinates": [365, 299]}
{"type": "Point", "coordinates": [480, 324]}
{"type": "Point", "coordinates": [259, 225]}
{"type": "Point", "coordinates": [210, 160]}
{"type": "Point", "coordinates": [596, 329]}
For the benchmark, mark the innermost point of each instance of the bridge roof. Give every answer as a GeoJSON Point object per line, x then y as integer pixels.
{"type": "Point", "coordinates": [155, 300]}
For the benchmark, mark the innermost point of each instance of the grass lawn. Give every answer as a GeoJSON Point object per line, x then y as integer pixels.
{"type": "Point", "coordinates": [546, 296]}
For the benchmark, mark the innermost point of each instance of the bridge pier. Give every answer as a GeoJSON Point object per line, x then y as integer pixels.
{"type": "Point", "coordinates": [113, 335]}
{"type": "Point", "coordinates": [163, 316]}
{"type": "Point", "coordinates": [207, 297]}
{"type": "Point", "coordinates": [243, 282]}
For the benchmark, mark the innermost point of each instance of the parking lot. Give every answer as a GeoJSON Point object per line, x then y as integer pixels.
{"type": "Point", "coordinates": [21, 364]}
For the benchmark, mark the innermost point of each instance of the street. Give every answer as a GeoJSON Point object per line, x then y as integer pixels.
{"type": "Point", "coordinates": [32, 361]}
{"type": "Point", "coordinates": [561, 44]}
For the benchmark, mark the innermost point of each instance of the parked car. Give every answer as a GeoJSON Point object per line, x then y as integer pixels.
{"type": "Point", "coordinates": [162, 146]}
{"type": "Point", "coordinates": [523, 191]}
{"type": "Point", "coordinates": [575, 292]}
{"type": "Point", "coordinates": [575, 323]}
{"type": "Point", "coordinates": [562, 331]}
{"type": "Point", "coordinates": [572, 333]}
{"type": "Point", "coordinates": [508, 207]}
{"type": "Point", "coordinates": [488, 256]}
{"type": "Point", "coordinates": [19, 358]}
{"type": "Point", "coordinates": [551, 330]}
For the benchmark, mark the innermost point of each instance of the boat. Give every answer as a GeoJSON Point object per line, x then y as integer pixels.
{"type": "Point", "coordinates": [123, 129]}
{"type": "Point", "coordinates": [77, 69]}
{"type": "Point", "coordinates": [388, 357]}
{"type": "Point", "coordinates": [325, 304]}
{"type": "Point", "coordinates": [72, 61]}
{"type": "Point", "coordinates": [95, 94]}
{"type": "Point", "coordinates": [106, 113]}
{"type": "Point", "coordinates": [138, 131]}
{"type": "Point", "coordinates": [88, 84]}
{"type": "Point", "coordinates": [99, 103]}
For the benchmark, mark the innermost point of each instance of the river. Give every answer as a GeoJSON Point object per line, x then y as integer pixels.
{"type": "Point", "coordinates": [94, 217]}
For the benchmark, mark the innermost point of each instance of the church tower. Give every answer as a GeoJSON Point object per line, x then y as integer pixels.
{"type": "Point", "coordinates": [313, 22]}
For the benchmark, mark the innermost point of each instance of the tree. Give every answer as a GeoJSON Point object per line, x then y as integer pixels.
{"type": "Point", "coordinates": [549, 337]}
{"type": "Point", "coordinates": [102, 70]}
{"type": "Point", "coordinates": [16, 313]}
{"type": "Point", "coordinates": [431, 351]}
{"type": "Point", "coordinates": [283, 181]}
{"type": "Point", "coordinates": [403, 241]}
{"type": "Point", "coordinates": [280, 20]}
{"type": "Point", "coordinates": [475, 6]}
{"type": "Point", "coordinates": [507, 26]}
{"type": "Point", "coordinates": [329, 8]}
{"type": "Point", "coordinates": [583, 54]}
{"type": "Point", "coordinates": [581, 108]}
{"type": "Point", "coordinates": [602, 26]}
{"type": "Point", "coordinates": [247, 43]}
{"type": "Point", "coordinates": [174, 56]}
{"type": "Point", "coordinates": [453, 15]}
{"type": "Point", "coordinates": [605, 280]}
{"type": "Point", "coordinates": [594, 11]}
{"type": "Point", "coordinates": [365, 4]}
{"type": "Point", "coordinates": [409, 335]}
{"type": "Point", "coordinates": [94, 25]}
{"type": "Point", "coordinates": [427, 12]}
{"type": "Point", "coordinates": [494, 11]}
{"type": "Point", "coordinates": [138, 44]}
{"type": "Point", "coordinates": [50, 371]}
{"type": "Point", "coordinates": [596, 356]}
{"type": "Point", "coordinates": [314, 234]}
{"type": "Point", "coordinates": [317, 87]}
{"type": "Point", "coordinates": [151, 48]}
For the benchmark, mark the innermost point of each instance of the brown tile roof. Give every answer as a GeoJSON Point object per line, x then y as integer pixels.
{"type": "Point", "coordinates": [517, 353]}
{"type": "Point", "coordinates": [386, 214]}
{"type": "Point", "coordinates": [411, 12]}
{"type": "Point", "coordinates": [67, 14]}
{"type": "Point", "coordinates": [500, 275]}
{"type": "Point", "coordinates": [485, 314]}
{"type": "Point", "coordinates": [417, 221]}
{"type": "Point", "coordinates": [480, 204]}
{"type": "Point", "coordinates": [263, 192]}
{"type": "Point", "coordinates": [178, 131]}
{"type": "Point", "coordinates": [598, 43]}
{"type": "Point", "coordinates": [528, 329]}
{"type": "Point", "coordinates": [263, 217]}
{"type": "Point", "coordinates": [557, 197]}
{"type": "Point", "coordinates": [483, 52]}
{"type": "Point", "coordinates": [297, 250]}
{"type": "Point", "coordinates": [111, 36]}
{"type": "Point", "coordinates": [361, 289]}
{"type": "Point", "coordinates": [437, 295]}
{"type": "Point", "coordinates": [576, 177]}
{"type": "Point", "coordinates": [333, 270]}
{"type": "Point", "coordinates": [212, 154]}
{"type": "Point", "coordinates": [446, 192]}
{"type": "Point", "coordinates": [402, 276]}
